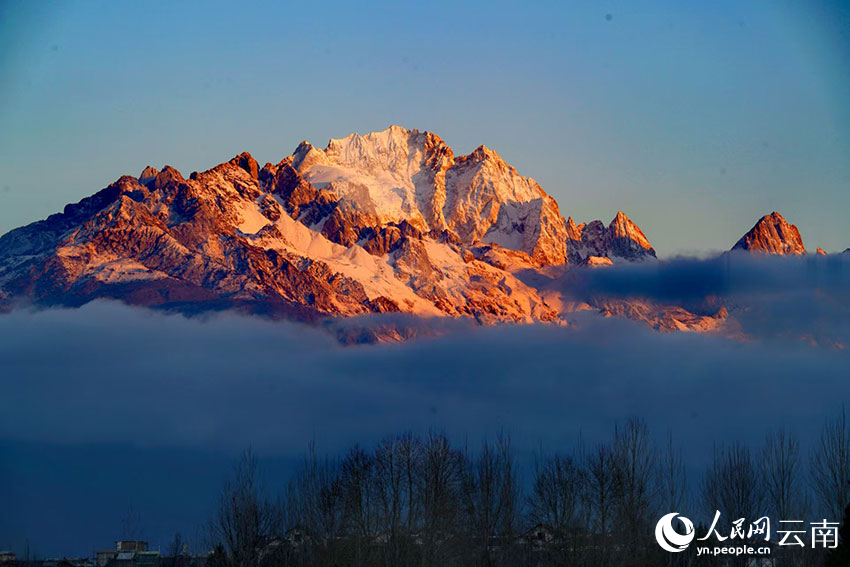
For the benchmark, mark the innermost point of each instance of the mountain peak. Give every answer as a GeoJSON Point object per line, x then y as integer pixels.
{"type": "Point", "coordinates": [393, 135]}
{"type": "Point", "coordinates": [620, 239]}
{"type": "Point", "coordinates": [148, 174]}
{"type": "Point", "coordinates": [398, 130]}
{"type": "Point", "coordinates": [772, 234]}
{"type": "Point", "coordinates": [483, 154]}
{"type": "Point", "coordinates": [573, 230]}
{"type": "Point", "coordinates": [167, 175]}
{"type": "Point", "coordinates": [626, 239]}
{"type": "Point", "coordinates": [402, 175]}
{"type": "Point", "coordinates": [303, 147]}
{"type": "Point", "coordinates": [306, 155]}
{"type": "Point", "coordinates": [247, 162]}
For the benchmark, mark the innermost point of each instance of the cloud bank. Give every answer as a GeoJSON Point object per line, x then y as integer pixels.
{"type": "Point", "coordinates": [771, 297]}
{"type": "Point", "coordinates": [107, 373]}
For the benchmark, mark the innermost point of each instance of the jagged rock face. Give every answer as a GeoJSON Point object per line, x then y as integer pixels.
{"type": "Point", "coordinates": [387, 222]}
{"type": "Point", "coordinates": [621, 240]}
{"type": "Point", "coordinates": [625, 240]}
{"type": "Point", "coordinates": [772, 235]}
{"type": "Point", "coordinates": [400, 175]}
{"type": "Point", "coordinates": [226, 238]}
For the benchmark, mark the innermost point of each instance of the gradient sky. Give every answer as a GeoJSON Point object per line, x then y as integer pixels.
{"type": "Point", "coordinates": [695, 118]}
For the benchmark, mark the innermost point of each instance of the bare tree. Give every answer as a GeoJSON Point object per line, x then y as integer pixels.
{"type": "Point", "coordinates": [635, 487]}
{"type": "Point", "coordinates": [246, 520]}
{"type": "Point", "coordinates": [489, 496]}
{"type": "Point", "coordinates": [315, 506]}
{"type": "Point", "coordinates": [396, 465]}
{"type": "Point", "coordinates": [673, 495]}
{"type": "Point", "coordinates": [780, 471]}
{"type": "Point", "coordinates": [511, 494]}
{"type": "Point", "coordinates": [740, 488]}
{"type": "Point", "coordinates": [830, 466]}
{"type": "Point", "coordinates": [600, 498]}
{"type": "Point", "coordinates": [732, 487]}
{"type": "Point", "coordinates": [440, 478]}
{"type": "Point", "coordinates": [556, 503]}
{"type": "Point", "coordinates": [674, 481]}
{"type": "Point", "coordinates": [785, 497]}
{"type": "Point", "coordinates": [358, 500]}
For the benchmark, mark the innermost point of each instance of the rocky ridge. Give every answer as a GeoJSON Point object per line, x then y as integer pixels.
{"type": "Point", "coordinates": [620, 240]}
{"type": "Point", "coordinates": [385, 222]}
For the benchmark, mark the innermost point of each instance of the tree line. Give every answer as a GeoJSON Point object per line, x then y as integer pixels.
{"type": "Point", "coordinates": [426, 502]}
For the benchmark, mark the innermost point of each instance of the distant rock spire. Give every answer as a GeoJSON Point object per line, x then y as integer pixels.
{"type": "Point", "coordinates": [247, 162]}
{"type": "Point", "coordinates": [626, 240]}
{"type": "Point", "coordinates": [772, 235]}
{"type": "Point", "coordinates": [148, 174]}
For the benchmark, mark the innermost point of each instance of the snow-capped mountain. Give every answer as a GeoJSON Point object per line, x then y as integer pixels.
{"type": "Point", "coordinates": [772, 235]}
{"type": "Point", "coordinates": [400, 175]}
{"type": "Point", "coordinates": [390, 221]}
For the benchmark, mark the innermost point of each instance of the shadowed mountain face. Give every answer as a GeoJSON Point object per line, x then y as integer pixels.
{"type": "Point", "coordinates": [388, 222]}
{"type": "Point", "coordinates": [772, 235]}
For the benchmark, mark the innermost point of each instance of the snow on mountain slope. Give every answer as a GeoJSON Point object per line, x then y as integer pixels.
{"type": "Point", "coordinates": [405, 175]}
{"type": "Point", "coordinates": [374, 274]}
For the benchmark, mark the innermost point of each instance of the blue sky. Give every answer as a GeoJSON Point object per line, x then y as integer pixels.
{"type": "Point", "coordinates": [695, 118]}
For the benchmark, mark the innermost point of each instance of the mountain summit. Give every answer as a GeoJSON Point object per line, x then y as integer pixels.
{"type": "Point", "coordinates": [401, 175]}
{"type": "Point", "coordinates": [772, 235]}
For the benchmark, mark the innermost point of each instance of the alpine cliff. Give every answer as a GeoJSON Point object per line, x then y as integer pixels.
{"type": "Point", "coordinates": [621, 239]}
{"type": "Point", "coordinates": [390, 221]}
{"type": "Point", "coordinates": [772, 235]}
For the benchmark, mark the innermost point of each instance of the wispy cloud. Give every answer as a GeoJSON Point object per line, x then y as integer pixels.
{"type": "Point", "coordinates": [797, 298]}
